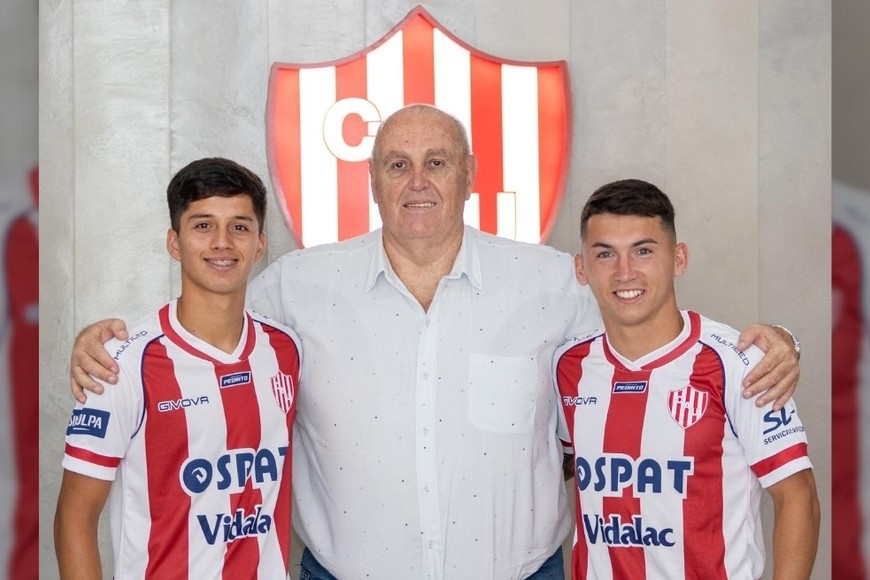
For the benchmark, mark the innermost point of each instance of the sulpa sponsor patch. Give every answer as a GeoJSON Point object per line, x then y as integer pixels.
{"type": "Point", "coordinates": [91, 422]}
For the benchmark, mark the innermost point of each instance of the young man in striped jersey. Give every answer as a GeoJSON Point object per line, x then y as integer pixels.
{"type": "Point", "coordinates": [196, 433]}
{"type": "Point", "coordinates": [669, 458]}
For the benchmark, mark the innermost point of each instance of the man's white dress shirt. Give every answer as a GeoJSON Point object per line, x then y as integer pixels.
{"type": "Point", "coordinates": [425, 442]}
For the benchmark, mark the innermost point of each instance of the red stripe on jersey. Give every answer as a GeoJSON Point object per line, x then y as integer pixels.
{"type": "Point", "coordinates": [486, 135]}
{"type": "Point", "coordinates": [766, 466]}
{"type": "Point", "coordinates": [166, 444]}
{"type": "Point", "coordinates": [288, 363]}
{"type": "Point", "coordinates": [704, 551]}
{"type": "Point", "coordinates": [91, 457]}
{"type": "Point", "coordinates": [419, 47]}
{"type": "Point", "coordinates": [353, 193]}
{"type": "Point", "coordinates": [286, 152]}
{"type": "Point", "coordinates": [848, 332]}
{"type": "Point", "coordinates": [623, 433]}
{"type": "Point", "coordinates": [242, 415]}
{"type": "Point", "coordinates": [21, 262]}
{"type": "Point", "coordinates": [569, 371]}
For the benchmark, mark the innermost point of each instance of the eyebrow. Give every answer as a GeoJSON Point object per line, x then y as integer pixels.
{"type": "Point", "coordinates": [393, 153]}
{"type": "Point", "coordinates": [634, 245]}
{"type": "Point", "coordinates": [197, 216]}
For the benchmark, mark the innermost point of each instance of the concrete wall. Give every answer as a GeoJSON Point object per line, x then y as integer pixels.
{"type": "Point", "coordinates": [725, 105]}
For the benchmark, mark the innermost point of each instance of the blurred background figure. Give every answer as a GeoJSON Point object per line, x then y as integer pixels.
{"type": "Point", "coordinates": [850, 297]}
{"type": "Point", "coordinates": [19, 340]}
{"type": "Point", "coordinates": [19, 330]}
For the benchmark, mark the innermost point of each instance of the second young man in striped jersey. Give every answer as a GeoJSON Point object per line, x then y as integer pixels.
{"type": "Point", "coordinates": [669, 459]}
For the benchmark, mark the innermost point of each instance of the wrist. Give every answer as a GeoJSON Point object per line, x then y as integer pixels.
{"type": "Point", "coordinates": [794, 340]}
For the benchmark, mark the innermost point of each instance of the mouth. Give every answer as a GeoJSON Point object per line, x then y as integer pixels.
{"type": "Point", "coordinates": [222, 263]}
{"type": "Point", "coordinates": [628, 294]}
{"type": "Point", "coordinates": [419, 205]}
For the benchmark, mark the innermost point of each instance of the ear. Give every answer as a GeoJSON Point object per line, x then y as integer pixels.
{"type": "Point", "coordinates": [681, 259]}
{"type": "Point", "coordinates": [472, 175]}
{"type": "Point", "coordinates": [372, 180]}
{"type": "Point", "coordinates": [172, 244]}
{"type": "Point", "coordinates": [261, 247]}
{"type": "Point", "coordinates": [579, 271]}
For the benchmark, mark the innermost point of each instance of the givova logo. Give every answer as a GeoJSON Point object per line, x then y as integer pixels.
{"type": "Point", "coordinates": [93, 422]}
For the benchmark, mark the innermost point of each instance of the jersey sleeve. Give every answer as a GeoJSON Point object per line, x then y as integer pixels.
{"type": "Point", "coordinates": [99, 430]}
{"type": "Point", "coordinates": [774, 442]}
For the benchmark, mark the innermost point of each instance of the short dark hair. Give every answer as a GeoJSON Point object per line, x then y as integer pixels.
{"type": "Point", "coordinates": [633, 197]}
{"type": "Point", "coordinates": [210, 177]}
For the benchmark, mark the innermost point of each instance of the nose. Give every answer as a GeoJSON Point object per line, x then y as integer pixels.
{"type": "Point", "coordinates": [624, 269]}
{"type": "Point", "coordinates": [418, 180]}
{"type": "Point", "coordinates": [221, 239]}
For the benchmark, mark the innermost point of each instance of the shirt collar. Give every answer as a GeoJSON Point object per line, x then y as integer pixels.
{"type": "Point", "coordinates": [467, 261]}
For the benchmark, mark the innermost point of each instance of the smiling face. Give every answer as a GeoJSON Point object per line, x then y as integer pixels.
{"type": "Point", "coordinates": [421, 176]}
{"type": "Point", "coordinates": [629, 263]}
{"type": "Point", "coordinates": [218, 242]}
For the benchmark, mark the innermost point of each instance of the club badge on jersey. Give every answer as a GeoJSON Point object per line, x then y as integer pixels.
{"type": "Point", "coordinates": [284, 390]}
{"type": "Point", "coordinates": [322, 118]}
{"type": "Point", "coordinates": [687, 405]}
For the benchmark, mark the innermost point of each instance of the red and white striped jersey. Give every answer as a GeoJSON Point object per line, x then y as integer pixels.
{"type": "Point", "coordinates": [197, 442]}
{"type": "Point", "coordinates": [670, 458]}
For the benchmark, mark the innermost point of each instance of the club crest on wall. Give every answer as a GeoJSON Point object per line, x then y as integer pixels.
{"type": "Point", "coordinates": [322, 118]}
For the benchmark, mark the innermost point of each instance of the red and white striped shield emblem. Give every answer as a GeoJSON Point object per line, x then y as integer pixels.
{"type": "Point", "coordinates": [284, 390]}
{"type": "Point", "coordinates": [687, 405]}
{"type": "Point", "coordinates": [321, 121]}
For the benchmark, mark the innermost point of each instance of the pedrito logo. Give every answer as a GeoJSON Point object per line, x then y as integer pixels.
{"type": "Point", "coordinates": [236, 379]}
{"type": "Point", "coordinates": [232, 470]}
{"type": "Point", "coordinates": [629, 387]}
{"type": "Point", "coordinates": [93, 422]}
{"type": "Point", "coordinates": [322, 118]}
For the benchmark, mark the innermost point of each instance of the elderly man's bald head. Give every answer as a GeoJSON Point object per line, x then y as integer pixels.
{"type": "Point", "coordinates": [419, 110]}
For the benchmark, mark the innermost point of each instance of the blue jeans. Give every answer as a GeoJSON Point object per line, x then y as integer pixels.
{"type": "Point", "coordinates": [311, 569]}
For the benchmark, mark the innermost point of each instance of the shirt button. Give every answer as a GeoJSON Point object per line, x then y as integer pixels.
{"type": "Point", "coordinates": [428, 322]}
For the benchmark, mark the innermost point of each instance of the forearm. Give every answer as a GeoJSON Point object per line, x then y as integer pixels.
{"type": "Point", "coordinates": [76, 522]}
{"type": "Point", "coordinates": [78, 554]}
{"type": "Point", "coordinates": [795, 533]}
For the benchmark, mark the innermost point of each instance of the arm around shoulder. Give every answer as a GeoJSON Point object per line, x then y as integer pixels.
{"type": "Point", "coordinates": [89, 359]}
{"type": "Point", "coordinates": [76, 520]}
{"type": "Point", "coordinates": [796, 525]}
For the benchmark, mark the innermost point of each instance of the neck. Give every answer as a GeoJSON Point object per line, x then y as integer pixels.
{"type": "Point", "coordinates": [636, 341]}
{"type": "Point", "coordinates": [216, 319]}
{"type": "Point", "coordinates": [421, 265]}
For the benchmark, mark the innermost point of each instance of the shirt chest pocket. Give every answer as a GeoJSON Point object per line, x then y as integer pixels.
{"type": "Point", "coordinates": [502, 393]}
